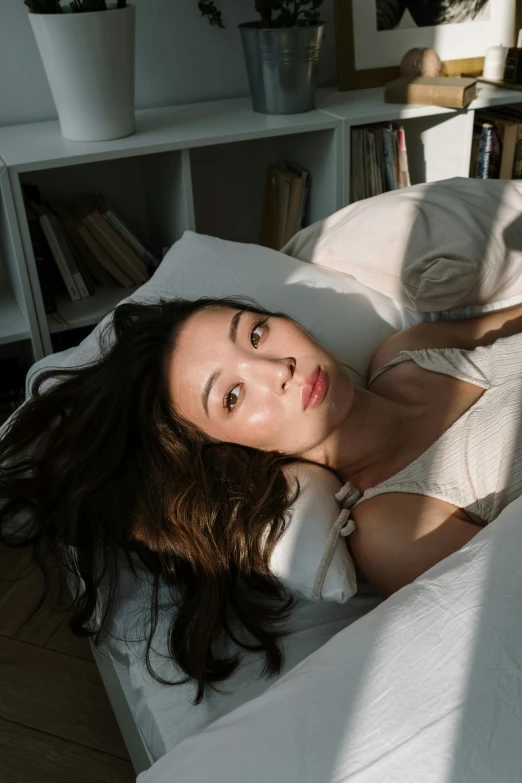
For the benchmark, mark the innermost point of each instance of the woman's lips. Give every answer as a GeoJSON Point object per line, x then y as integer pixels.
{"type": "Point", "coordinates": [314, 388]}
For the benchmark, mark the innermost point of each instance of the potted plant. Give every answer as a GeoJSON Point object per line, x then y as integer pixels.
{"type": "Point", "coordinates": [281, 52]}
{"type": "Point", "coordinates": [87, 49]}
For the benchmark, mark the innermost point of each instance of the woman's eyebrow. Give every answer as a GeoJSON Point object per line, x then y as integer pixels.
{"type": "Point", "coordinates": [234, 323]}
{"type": "Point", "coordinates": [206, 391]}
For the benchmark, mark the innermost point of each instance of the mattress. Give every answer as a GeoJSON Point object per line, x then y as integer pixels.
{"type": "Point", "coordinates": [425, 687]}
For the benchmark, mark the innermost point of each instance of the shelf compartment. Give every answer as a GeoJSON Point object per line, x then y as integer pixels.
{"type": "Point", "coordinates": [438, 147]}
{"type": "Point", "coordinates": [229, 182]}
{"type": "Point", "coordinates": [153, 195]}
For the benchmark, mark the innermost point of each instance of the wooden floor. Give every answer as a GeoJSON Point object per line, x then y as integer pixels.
{"type": "Point", "coordinates": [56, 723]}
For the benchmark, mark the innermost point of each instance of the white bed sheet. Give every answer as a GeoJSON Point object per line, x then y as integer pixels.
{"type": "Point", "coordinates": [426, 688]}
{"type": "Point", "coordinates": [165, 715]}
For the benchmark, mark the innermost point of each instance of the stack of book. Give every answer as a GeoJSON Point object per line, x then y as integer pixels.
{"type": "Point", "coordinates": [81, 243]}
{"type": "Point", "coordinates": [496, 149]}
{"type": "Point", "coordinates": [285, 203]}
{"type": "Point", "coordinates": [379, 160]}
{"type": "Point", "coordinates": [12, 380]}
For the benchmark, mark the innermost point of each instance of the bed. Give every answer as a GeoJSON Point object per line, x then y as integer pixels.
{"type": "Point", "coordinates": [425, 686]}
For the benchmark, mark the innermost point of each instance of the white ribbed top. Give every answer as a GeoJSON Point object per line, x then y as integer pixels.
{"type": "Point", "coordinates": [477, 463]}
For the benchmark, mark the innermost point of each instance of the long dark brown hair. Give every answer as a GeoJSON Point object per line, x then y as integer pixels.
{"type": "Point", "coordinates": [97, 468]}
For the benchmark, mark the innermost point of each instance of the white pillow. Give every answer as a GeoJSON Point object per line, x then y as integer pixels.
{"type": "Point", "coordinates": [431, 247]}
{"type": "Point", "coordinates": [346, 316]}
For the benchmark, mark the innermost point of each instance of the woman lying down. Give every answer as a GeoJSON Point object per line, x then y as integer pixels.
{"type": "Point", "coordinates": [174, 445]}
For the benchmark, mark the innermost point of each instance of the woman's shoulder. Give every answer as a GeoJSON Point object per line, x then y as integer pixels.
{"type": "Point", "coordinates": [440, 334]}
{"type": "Point", "coordinates": [467, 334]}
{"type": "Point", "coordinates": [398, 536]}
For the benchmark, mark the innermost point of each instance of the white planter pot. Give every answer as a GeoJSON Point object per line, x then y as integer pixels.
{"type": "Point", "coordinates": [89, 62]}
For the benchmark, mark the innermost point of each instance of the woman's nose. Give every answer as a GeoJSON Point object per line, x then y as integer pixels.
{"type": "Point", "coordinates": [275, 374]}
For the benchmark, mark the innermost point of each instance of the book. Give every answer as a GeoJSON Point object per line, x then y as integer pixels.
{"type": "Point", "coordinates": [51, 234]}
{"type": "Point", "coordinates": [377, 160]}
{"type": "Point", "coordinates": [143, 250]}
{"type": "Point", "coordinates": [509, 133]}
{"type": "Point", "coordinates": [103, 258]}
{"type": "Point", "coordinates": [390, 156]}
{"type": "Point", "coordinates": [495, 155]}
{"type": "Point", "coordinates": [475, 150]}
{"type": "Point", "coordinates": [404, 172]}
{"type": "Point", "coordinates": [305, 191]}
{"type": "Point", "coordinates": [275, 207]}
{"type": "Point", "coordinates": [43, 259]}
{"type": "Point", "coordinates": [367, 163]}
{"type": "Point", "coordinates": [486, 145]}
{"type": "Point", "coordinates": [453, 92]}
{"type": "Point", "coordinates": [130, 264]}
{"type": "Point", "coordinates": [64, 255]}
{"type": "Point", "coordinates": [517, 166]}
{"type": "Point", "coordinates": [377, 132]}
{"type": "Point", "coordinates": [269, 234]}
{"type": "Point", "coordinates": [95, 272]}
{"type": "Point", "coordinates": [293, 216]}
{"type": "Point", "coordinates": [356, 169]}
{"type": "Point", "coordinates": [507, 130]}
{"type": "Point", "coordinates": [287, 191]}
{"type": "Point", "coordinates": [74, 262]}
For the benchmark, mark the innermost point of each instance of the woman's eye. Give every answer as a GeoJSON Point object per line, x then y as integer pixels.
{"type": "Point", "coordinates": [232, 397]}
{"type": "Point", "coordinates": [254, 337]}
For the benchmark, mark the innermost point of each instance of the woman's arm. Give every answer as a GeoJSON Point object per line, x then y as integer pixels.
{"type": "Point", "coordinates": [468, 334]}
{"type": "Point", "coordinates": [398, 537]}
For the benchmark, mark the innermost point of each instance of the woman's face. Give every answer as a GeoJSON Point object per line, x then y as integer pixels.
{"type": "Point", "coordinates": [258, 381]}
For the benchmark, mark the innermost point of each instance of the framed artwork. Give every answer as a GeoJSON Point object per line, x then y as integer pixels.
{"type": "Point", "coordinates": [373, 35]}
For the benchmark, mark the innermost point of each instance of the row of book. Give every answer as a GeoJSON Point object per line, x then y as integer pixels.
{"type": "Point", "coordinates": [81, 243]}
{"type": "Point", "coordinates": [379, 160]}
{"type": "Point", "coordinates": [496, 149]}
{"type": "Point", "coordinates": [285, 203]}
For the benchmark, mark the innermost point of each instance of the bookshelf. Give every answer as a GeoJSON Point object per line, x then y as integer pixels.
{"type": "Point", "coordinates": [200, 167]}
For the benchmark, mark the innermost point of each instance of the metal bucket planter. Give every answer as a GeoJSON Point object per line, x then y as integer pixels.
{"type": "Point", "coordinates": [282, 65]}
{"type": "Point", "coordinates": [89, 62]}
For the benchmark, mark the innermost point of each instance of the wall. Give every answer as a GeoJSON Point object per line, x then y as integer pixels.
{"type": "Point", "coordinates": [180, 57]}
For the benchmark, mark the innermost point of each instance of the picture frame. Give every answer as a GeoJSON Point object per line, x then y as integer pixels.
{"type": "Point", "coordinates": [351, 76]}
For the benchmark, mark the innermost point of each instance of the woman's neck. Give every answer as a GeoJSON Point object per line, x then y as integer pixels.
{"type": "Point", "coordinates": [373, 433]}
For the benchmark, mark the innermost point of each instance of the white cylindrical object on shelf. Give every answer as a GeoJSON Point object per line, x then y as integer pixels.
{"type": "Point", "coordinates": [89, 61]}
{"type": "Point", "coordinates": [494, 63]}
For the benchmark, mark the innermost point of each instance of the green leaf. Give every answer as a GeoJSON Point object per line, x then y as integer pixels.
{"type": "Point", "coordinates": [273, 13]}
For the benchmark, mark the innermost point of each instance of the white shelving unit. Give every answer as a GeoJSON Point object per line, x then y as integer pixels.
{"type": "Point", "coordinates": [18, 322]}
{"type": "Point", "coordinates": [201, 167]}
